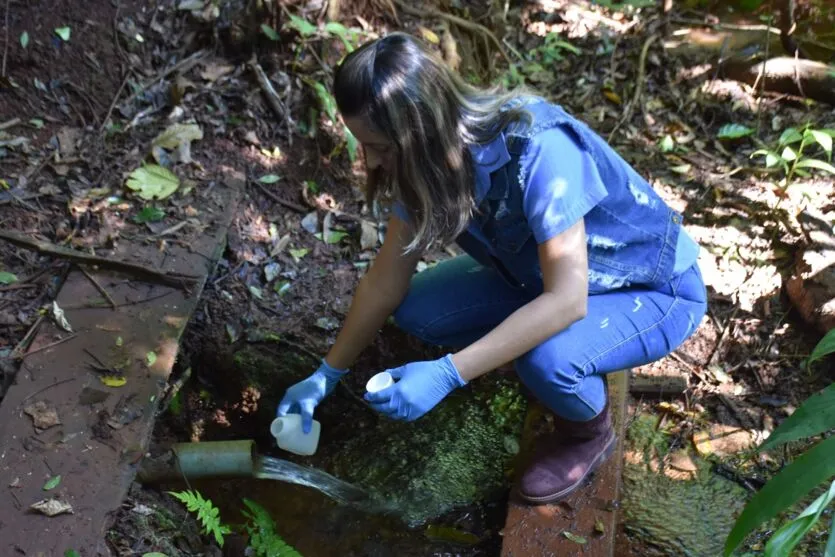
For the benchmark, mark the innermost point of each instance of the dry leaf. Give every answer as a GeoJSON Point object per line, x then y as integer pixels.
{"type": "Point", "coordinates": [215, 70]}
{"type": "Point", "coordinates": [52, 507]}
{"type": "Point", "coordinates": [113, 380]}
{"type": "Point", "coordinates": [42, 416]}
{"type": "Point", "coordinates": [450, 50]}
{"type": "Point", "coordinates": [60, 318]}
{"type": "Point", "coordinates": [368, 238]}
{"type": "Point", "coordinates": [612, 96]}
{"type": "Point", "coordinates": [428, 35]}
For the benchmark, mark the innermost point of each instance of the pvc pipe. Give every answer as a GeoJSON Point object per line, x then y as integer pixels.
{"type": "Point", "coordinates": [216, 459]}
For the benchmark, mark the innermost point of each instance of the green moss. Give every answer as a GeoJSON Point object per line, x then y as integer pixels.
{"type": "Point", "coordinates": [455, 455]}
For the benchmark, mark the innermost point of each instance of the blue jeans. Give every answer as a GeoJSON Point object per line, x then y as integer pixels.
{"type": "Point", "coordinates": [458, 301]}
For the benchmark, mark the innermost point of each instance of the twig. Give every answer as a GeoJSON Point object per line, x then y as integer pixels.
{"type": "Point", "coordinates": [181, 65]}
{"type": "Point", "coordinates": [27, 339]}
{"type": "Point", "coordinates": [39, 391]}
{"type": "Point", "coordinates": [176, 280]}
{"type": "Point", "coordinates": [9, 124]}
{"type": "Point", "coordinates": [639, 85]}
{"type": "Point", "coordinates": [269, 91]}
{"type": "Point", "coordinates": [6, 47]}
{"type": "Point", "coordinates": [475, 27]}
{"type": "Point", "coordinates": [17, 287]}
{"type": "Point", "coordinates": [98, 286]}
{"type": "Point", "coordinates": [689, 367]}
{"type": "Point", "coordinates": [289, 204]}
{"type": "Point", "coordinates": [113, 104]}
{"type": "Point", "coordinates": [713, 355]}
{"type": "Point", "coordinates": [48, 346]}
{"type": "Point", "coordinates": [131, 303]}
{"type": "Point", "coordinates": [762, 75]}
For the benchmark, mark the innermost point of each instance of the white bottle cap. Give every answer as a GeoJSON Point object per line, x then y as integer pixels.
{"type": "Point", "coordinates": [382, 380]}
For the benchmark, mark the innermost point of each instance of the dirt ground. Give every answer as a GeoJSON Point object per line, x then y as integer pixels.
{"type": "Point", "coordinates": [84, 112]}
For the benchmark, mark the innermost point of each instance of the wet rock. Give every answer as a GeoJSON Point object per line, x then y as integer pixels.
{"type": "Point", "coordinates": [723, 440]}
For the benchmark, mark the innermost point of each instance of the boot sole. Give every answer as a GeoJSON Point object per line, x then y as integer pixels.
{"type": "Point", "coordinates": [556, 497]}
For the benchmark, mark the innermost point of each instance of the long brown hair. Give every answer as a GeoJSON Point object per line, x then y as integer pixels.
{"type": "Point", "coordinates": [430, 115]}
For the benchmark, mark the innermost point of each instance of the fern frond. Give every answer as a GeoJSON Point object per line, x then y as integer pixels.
{"type": "Point", "coordinates": [263, 538]}
{"type": "Point", "coordinates": [207, 514]}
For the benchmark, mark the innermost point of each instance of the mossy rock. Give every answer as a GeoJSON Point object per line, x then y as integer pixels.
{"type": "Point", "coordinates": [457, 454]}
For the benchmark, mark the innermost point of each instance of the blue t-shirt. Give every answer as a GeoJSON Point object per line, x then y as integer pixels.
{"type": "Point", "coordinates": [562, 184]}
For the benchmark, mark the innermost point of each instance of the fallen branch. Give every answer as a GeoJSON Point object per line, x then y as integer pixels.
{"type": "Point", "coordinates": [98, 286]}
{"type": "Point", "coordinates": [460, 22]}
{"type": "Point", "coordinates": [639, 85]}
{"type": "Point", "coordinates": [176, 280]}
{"type": "Point", "coordinates": [272, 95]}
{"type": "Point", "coordinates": [289, 204]}
{"type": "Point", "coordinates": [6, 47]}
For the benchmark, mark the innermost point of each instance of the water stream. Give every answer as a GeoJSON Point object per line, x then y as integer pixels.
{"type": "Point", "coordinates": [271, 468]}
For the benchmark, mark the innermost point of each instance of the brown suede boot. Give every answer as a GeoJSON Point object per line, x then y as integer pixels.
{"type": "Point", "coordinates": [566, 457]}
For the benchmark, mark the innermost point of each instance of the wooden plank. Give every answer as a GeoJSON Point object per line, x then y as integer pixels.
{"type": "Point", "coordinates": [532, 531]}
{"type": "Point", "coordinates": [98, 443]}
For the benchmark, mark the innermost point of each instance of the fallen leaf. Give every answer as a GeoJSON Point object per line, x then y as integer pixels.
{"type": "Point", "coordinates": [149, 214]}
{"type": "Point", "coordinates": [60, 319]}
{"type": "Point", "coordinates": [24, 39]}
{"type": "Point", "coordinates": [232, 332]}
{"type": "Point", "coordinates": [311, 222]}
{"type": "Point", "coordinates": [51, 507]}
{"type": "Point", "coordinates": [327, 323]}
{"type": "Point", "coordinates": [269, 32]}
{"type": "Point", "coordinates": [119, 341]}
{"type": "Point", "coordinates": [368, 238]}
{"type": "Point", "coordinates": [191, 5]}
{"type": "Point", "coordinates": [599, 527]}
{"type": "Point", "coordinates": [150, 358]}
{"type": "Point", "coordinates": [612, 96]}
{"type": "Point", "coordinates": [15, 482]}
{"type": "Point", "coordinates": [282, 287]}
{"type": "Point", "coordinates": [7, 278]}
{"type": "Point", "coordinates": [271, 271]}
{"type": "Point", "coordinates": [37, 122]}
{"type": "Point", "coordinates": [179, 137]}
{"type": "Point", "coordinates": [280, 245]}
{"type": "Point", "coordinates": [298, 254]}
{"type": "Point", "coordinates": [52, 483]}
{"type": "Point", "coordinates": [113, 380]}
{"type": "Point", "coordinates": [269, 179]}
{"type": "Point", "coordinates": [574, 537]}
{"type": "Point", "coordinates": [212, 71]}
{"type": "Point", "coordinates": [72, 553]}
{"type": "Point", "coordinates": [144, 510]}
{"type": "Point", "coordinates": [429, 35]}
{"type": "Point", "coordinates": [68, 139]}
{"type": "Point", "coordinates": [63, 32]}
{"type": "Point", "coordinates": [681, 168]}
{"type": "Point", "coordinates": [153, 182]}
{"type": "Point", "coordinates": [256, 292]}
{"type": "Point", "coordinates": [42, 416]}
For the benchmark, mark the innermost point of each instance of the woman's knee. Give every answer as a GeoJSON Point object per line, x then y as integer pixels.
{"type": "Point", "coordinates": [544, 368]}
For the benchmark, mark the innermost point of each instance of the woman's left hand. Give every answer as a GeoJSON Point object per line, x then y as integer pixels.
{"type": "Point", "coordinates": [419, 387]}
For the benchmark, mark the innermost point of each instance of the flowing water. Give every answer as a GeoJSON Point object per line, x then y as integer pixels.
{"type": "Point", "coordinates": [271, 468]}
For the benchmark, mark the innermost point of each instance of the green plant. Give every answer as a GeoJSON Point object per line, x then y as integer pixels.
{"type": "Point", "coordinates": [260, 527]}
{"type": "Point", "coordinates": [206, 512]}
{"type": "Point", "coordinates": [791, 152]}
{"type": "Point", "coordinates": [815, 466]}
{"type": "Point", "coordinates": [263, 538]}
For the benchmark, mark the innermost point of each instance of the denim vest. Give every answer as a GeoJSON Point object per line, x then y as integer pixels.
{"type": "Point", "coordinates": [633, 233]}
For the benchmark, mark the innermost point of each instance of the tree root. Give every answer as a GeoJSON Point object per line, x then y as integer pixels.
{"type": "Point", "coordinates": [639, 85]}
{"type": "Point", "coordinates": [791, 76]}
{"type": "Point", "coordinates": [455, 20]}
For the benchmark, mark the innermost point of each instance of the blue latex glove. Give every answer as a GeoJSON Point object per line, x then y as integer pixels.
{"type": "Point", "coordinates": [303, 397]}
{"type": "Point", "coordinates": [419, 387]}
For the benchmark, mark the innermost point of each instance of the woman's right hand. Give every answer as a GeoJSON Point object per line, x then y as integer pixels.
{"type": "Point", "coordinates": [303, 397]}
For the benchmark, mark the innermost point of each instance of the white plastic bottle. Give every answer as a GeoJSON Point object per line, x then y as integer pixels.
{"type": "Point", "coordinates": [289, 436]}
